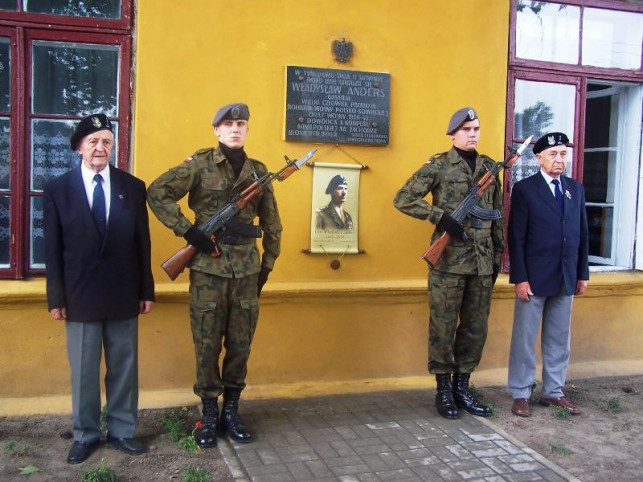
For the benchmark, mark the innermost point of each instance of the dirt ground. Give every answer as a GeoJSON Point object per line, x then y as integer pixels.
{"type": "Point", "coordinates": [605, 442]}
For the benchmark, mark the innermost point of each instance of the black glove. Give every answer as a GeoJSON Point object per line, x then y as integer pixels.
{"type": "Point", "coordinates": [494, 274]}
{"type": "Point", "coordinates": [263, 277]}
{"type": "Point", "coordinates": [199, 240]}
{"type": "Point", "coordinates": [451, 226]}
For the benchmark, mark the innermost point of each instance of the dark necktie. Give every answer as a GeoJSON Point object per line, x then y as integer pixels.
{"type": "Point", "coordinates": [557, 193]}
{"type": "Point", "coordinates": [98, 206]}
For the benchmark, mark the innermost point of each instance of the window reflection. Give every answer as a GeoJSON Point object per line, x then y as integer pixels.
{"type": "Point", "coordinates": [75, 79]}
{"type": "Point", "coordinates": [5, 144]}
{"type": "Point", "coordinates": [542, 107]}
{"type": "Point", "coordinates": [5, 74]}
{"type": "Point", "coordinates": [76, 8]}
{"type": "Point", "coordinates": [8, 5]}
{"type": "Point", "coordinates": [547, 32]}
{"type": "Point", "coordinates": [612, 39]}
{"type": "Point", "coordinates": [5, 232]}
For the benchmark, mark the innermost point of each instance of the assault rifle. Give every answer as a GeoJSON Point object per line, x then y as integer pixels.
{"type": "Point", "coordinates": [469, 206]}
{"type": "Point", "coordinates": [225, 220]}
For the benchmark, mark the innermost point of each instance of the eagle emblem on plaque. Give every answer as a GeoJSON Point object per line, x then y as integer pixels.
{"type": "Point", "coordinates": [343, 50]}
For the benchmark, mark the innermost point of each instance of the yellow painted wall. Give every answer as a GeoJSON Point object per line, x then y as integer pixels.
{"type": "Point", "coordinates": [360, 327]}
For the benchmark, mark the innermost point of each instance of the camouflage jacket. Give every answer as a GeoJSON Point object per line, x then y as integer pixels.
{"type": "Point", "coordinates": [209, 181]}
{"type": "Point", "coordinates": [448, 178]}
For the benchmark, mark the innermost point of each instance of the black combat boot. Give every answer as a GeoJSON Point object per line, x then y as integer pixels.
{"type": "Point", "coordinates": [465, 399]}
{"type": "Point", "coordinates": [444, 398]}
{"type": "Point", "coordinates": [231, 423]}
{"type": "Point", "coordinates": [206, 434]}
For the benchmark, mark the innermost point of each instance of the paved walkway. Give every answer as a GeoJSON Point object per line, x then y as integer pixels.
{"type": "Point", "coordinates": [377, 437]}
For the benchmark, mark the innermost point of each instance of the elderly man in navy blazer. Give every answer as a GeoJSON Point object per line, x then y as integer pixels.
{"type": "Point", "coordinates": [99, 279]}
{"type": "Point", "coordinates": [548, 242]}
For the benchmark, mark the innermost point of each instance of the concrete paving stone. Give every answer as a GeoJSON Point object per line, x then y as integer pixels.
{"type": "Point", "coordinates": [366, 417]}
{"type": "Point", "coordinates": [460, 452]}
{"type": "Point", "coordinates": [347, 433]}
{"type": "Point", "coordinates": [324, 450]}
{"type": "Point", "coordinates": [325, 433]}
{"type": "Point", "coordinates": [392, 460]}
{"type": "Point", "coordinates": [401, 474]}
{"type": "Point", "coordinates": [274, 469]}
{"type": "Point", "coordinates": [425, 472]}
{"type": "Point", "coordinates": [377, 448]}
{"type": "Point", "coordinates": [268, 456]}
{"type": "Point", "coordinates": [349, 469]}
{"type": "Point", "coordinates": [415, 453]}
{"type": "Point", "coordinates": [446, 473]}
{"type": "Point", "coordinates": [455, 432]}
{"type": "Point", "coordinates": [482, 436]}
{"type": "Point", "coordinates": [319, 468]}
{"type": "Point", "coordinates": [385, 426]}
{"type": "Point", "coordinates": [367, 477]}
{"type": "Point", "coordinates": [526, 467]}
{"type": "Point", "coordinates": [250, 458]}
{"type": "Point", "coordinates": [362, 430]}
{"type": "Point", "coordinates": [343, 461]}
{"type": "Point", "coordinates": [497, 465]}
{"type": "Point", "coordinates": [273, 478]}
{"type": "Point", "coordinates": [334, 419]}
{"type": "Point", "coordinates": [300, 471]}
{"type": "Point", "coordinates": [299, 453]}
{"type": "Point", "coordinates": [423, 461]}
{"type": "Point", "coordinates": [375, 462]}
{"type": "Point", "coordinates": [524, 477]}
{"type": "Point", "coordinates": [342, 448]}
{"type": "Point", "coordinates": [551, 476]}
{"type": "Point", "coordinates": [443, 454]}
{"type": "Point", "coordinates": [508, 446]}
{"type": "Point", "coordinates": [410, 440]}
{"type": "Point", "coordinates": [394, 443]}
{"type": "Point", "coordinates": [476, 473]}
{"type": "Point", "coordinates": [361, 442]}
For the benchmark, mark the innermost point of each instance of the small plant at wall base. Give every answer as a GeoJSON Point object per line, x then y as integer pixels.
{"type": "Point", "coordinates": [196, 474]}
{"type": "Point", "coordinates": [102, 473]}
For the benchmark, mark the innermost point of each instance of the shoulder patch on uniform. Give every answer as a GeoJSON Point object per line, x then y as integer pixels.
{"type": "Point", "coordinates": [188, 159]}
{"type": "Point", "coordinates": [435, 158]}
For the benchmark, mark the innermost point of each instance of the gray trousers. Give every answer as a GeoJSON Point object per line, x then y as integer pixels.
{"type": "Point", "coordinates": [85, 341]}
{"type": "Point", "coordinates": [555, 313]}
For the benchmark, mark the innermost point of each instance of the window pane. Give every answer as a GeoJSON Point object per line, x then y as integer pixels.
{"type": "Point", "coordinates": [542, 107]}
{"type": "Point", "coordinates": [612, 39]}
{"type": "Point", "coordinates": [547, 32]}
{"type": "Point", "coordinates": [598, 175]}
{"type": "Point", "coordinates": [37, 247]}
{"type": "Point", "coordinates": [5, 140]}
{"type": "Point", "coordinates": [76, 8]}
{"type": "Point", "coordinates": [5, 74]}
{"type": "Point", "coordinates": [5, 233]}
{"type": "Point", "coordinates": [75, 79]}
{"type": "Point", "coordinates": [50, 150]}
{"type": "Point", "coordinates": [8, 5]}
{"type": "Point", "coordinates": [600, 221]}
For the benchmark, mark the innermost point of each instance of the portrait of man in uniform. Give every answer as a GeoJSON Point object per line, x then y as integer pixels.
{"type": "Point", "coordinates": [333, 215]}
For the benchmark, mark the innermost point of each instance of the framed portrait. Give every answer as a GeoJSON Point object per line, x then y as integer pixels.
{"type": "Point", "coordinates": [335, 215]}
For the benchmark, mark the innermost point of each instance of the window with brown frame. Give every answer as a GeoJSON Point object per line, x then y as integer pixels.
{"type": "Point", "coordinates": [575, 66]}
{"type": "Point", "coordinates": [60, 60]}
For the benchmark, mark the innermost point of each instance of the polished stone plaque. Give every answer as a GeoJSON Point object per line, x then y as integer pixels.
{"type": "Point", "coordinates": [337, 106]}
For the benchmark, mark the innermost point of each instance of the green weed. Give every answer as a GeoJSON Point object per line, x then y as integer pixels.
{"type": "Point", "coordinates": [196, 474]}
{"type": "Point", "coordinates": [29, 469]}
{"type": "Point", "coordinates": [561, 413]}
{"type": "Point", "coordinates": [11, 447]}
{"type": "Point", "coordinates": [614, 405]}
{"type": "Point", "coordinates": [173, 422]}
{"type": "Point", "coordinates": [560, 449]}
{"type": "Point", "coordinates": [102, 473]}
{"type": "Point", "coordinates": [189, 443]}
{"type": "Point", "coordinates": [103, 418]}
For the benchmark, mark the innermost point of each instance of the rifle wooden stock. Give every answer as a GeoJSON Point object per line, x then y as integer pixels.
{"type": "Point", "coordinates": [175, 265]}
{"type": "Point", "coordinates": [436, 250]}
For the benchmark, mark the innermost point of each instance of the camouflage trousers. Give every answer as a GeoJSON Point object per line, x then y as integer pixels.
{"type": "Point", "coordinates": [223, 312]}
{"type": "Point", "coordinates": [456, 347]}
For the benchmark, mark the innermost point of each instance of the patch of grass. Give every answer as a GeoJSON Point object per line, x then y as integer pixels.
{"type": "Point", "coordinates": [474, 391]}
{"type": "Point", "coordinates": [173, 422]}
{"type": "Point", "coordinates": [189, 443]}
{"type": "Point", "coordinates": [614, 405]}
{"type": "Point", "coordinates": [490, 404]}
{"type": "Point", "coordinates": [102, 473]}
{"type": "Point", "coordinates": [561, 413]}
{"type": "Point", "coordinates": [11, 448]}
{"type": "Point", "coordinates": [196, 474]}
{"type": "Point", "coordinates": [103, 418]}
{"type": "Point", "coordinates": [560, 449]}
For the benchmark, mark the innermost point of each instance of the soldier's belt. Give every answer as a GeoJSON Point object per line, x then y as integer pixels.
{"type": "Point", "coordinates": [235, 240]}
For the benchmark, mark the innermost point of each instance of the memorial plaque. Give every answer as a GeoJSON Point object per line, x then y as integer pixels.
{"type": "Point", "coordinates": [337, 106]}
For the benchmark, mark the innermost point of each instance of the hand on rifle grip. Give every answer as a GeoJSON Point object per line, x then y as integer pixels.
{"type": "Point", "coordinates": [451, 226]}
{"type": "Point", "coordinates": [200, 240]}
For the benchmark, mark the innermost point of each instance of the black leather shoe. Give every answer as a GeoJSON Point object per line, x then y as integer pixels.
{"type": "Point", "coordinates": [80, 451]}
{"type": "Point", "coordinates": [132, 446]}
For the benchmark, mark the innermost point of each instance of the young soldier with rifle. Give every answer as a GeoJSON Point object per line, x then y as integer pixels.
{"type": "Point", "coordinates": [227, 191]}
{"type": "Point", "coordinates": [462, 278]}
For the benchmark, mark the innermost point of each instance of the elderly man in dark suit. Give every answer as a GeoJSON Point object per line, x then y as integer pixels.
{"type": "Point", "coordinates": [548, 242]}
{"type": "Point", "coordinates": [99, 279]}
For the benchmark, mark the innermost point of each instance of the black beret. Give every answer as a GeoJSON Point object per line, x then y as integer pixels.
{"type": "Point", "coordinates": [459, 117]}
{"type": "Point", "coordinates": [87, 125]}
{"type": "Point", "coordinates": [334, 182]}
{"type": "Point", "coordinates": [234, 111]}
{"type": "Point", "coordinates": [550, 140]}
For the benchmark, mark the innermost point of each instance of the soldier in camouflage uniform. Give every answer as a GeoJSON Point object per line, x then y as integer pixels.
{"type": "Point", "coordinates": [460, 285]}
{"type": "Point", "coordinates": [224, 290]}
